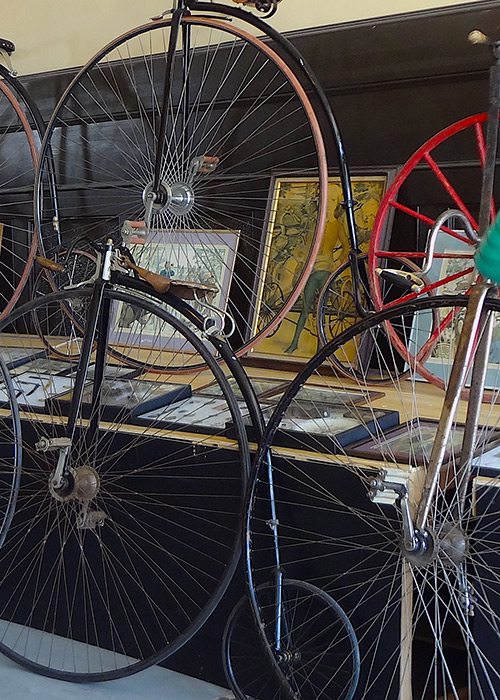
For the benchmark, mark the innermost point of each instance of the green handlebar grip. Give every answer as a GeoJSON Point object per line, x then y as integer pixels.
{"type": "Point", "coordinates": [488, 254]}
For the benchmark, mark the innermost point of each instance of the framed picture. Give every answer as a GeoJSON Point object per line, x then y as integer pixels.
{"type": "Point", "coordinates": [408, 442]}
{"type": "Point", "coordinates": [262, 386]}
{"type": "Point", "coordinates": [488, 463]}
{"type": "Point", "coordinates": [123, 397]}
{"type": "Point", "coordinates": [332, 395]}
{"type": "Point", "coordinates": [454, 256]}
{"type": "Point", "coordinates": [208, 415]}
{"type": "Point", "coordinates": [328, 427]}
{"type": "Point", "coordinates": [193, 255]}
{"type": "Point", "coordinates": [289, 234]}
{"type": "Point", "coordinates": [34, 389]}
{"type": "Point", "coordinates": [44, 365]}
{"type": "Point", "coordinates": [16, 357]}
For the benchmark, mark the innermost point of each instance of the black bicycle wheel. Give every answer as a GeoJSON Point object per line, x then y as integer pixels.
{"type": "Point", "coordinates": [10, 450]}
{"type": "Point", "coordinates": [427, 626]}
{"type": "Point", "coordinates": [119, 566]}
{"type": "Point", "coordinates": [319, 656]}
{"type": "Point", "coordinates": [240, 130]}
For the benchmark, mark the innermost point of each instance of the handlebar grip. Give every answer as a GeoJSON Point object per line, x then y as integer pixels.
{"type": "Point", "coordinates": [488, 254]}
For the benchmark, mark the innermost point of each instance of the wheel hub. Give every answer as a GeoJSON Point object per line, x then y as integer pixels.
{"type": "Point", "coordinates": [177, 198]}
{"type": "Point", "coordinates": [450, 546]}
{"type": "Point", "coordinates": [453, 544]}
{"type": "Point", "coordinates": [81, 484]}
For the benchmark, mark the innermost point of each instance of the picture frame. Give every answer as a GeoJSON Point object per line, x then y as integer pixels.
{"type": "Point", "coordinates": [488, 463]}
{"type": "Point", "coordinates": [327, 428]}
{"type": "Point", "coordinates": [15, 357]}
{"type": "Point", "coordinates": [332, 395]}
{"type": "Point", "coordinates": [200, 414]}
{"type": "Point", "coordinates": [398, 445]}
{"type": "Point", "coordinates": [437, 360]}
{"type": "Point", "coordinates": [34, 390]}
{"type": "Point", "coordinates": [195, 255]}
{"type": "Point", "coordinates": [264, 387]}
{"type": "Point", "coordinates": [295, 339]}
{"type": "Point", "coordinates": [127, 398]}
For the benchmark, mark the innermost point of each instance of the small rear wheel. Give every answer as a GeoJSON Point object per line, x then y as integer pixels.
{"type": "Point", "coordinates": [319, 655]}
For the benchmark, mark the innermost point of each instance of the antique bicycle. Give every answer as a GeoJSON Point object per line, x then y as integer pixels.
{"type": "Point", "coordinates": [415, 564]}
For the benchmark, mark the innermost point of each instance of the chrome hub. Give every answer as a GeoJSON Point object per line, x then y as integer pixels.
{"type": "Point", "coordinates": [177, 198]}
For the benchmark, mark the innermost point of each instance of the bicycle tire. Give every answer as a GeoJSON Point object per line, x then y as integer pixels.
{"type": "Point", "coordinates": [109, 592]}
{"type": "Point", "coordinates": [19, 148]}
{"type": "Point", "coordinates": [320, 656]}
{"type": "Point", "coordinates": [11, 458]}
{"type": "Point", "coordinates": [247, 169]}
{"type": "Point", "coordinates": [332, 535]}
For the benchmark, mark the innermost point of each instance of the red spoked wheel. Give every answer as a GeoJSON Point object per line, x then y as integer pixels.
{"type": "Point", "coordinates": [445, 173]}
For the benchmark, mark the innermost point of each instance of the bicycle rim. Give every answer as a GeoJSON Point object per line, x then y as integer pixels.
{"type": "Point", "coordinates": [19, 154]}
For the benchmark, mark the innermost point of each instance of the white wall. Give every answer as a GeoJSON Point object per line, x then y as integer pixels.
{"type": "Point", "coordinates": [54, 34]}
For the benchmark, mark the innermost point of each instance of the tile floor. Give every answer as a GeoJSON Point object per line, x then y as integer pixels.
{"type": "Point", "coordinates": [155, 683]}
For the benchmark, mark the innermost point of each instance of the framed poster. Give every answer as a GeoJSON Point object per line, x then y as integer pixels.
{"type": "Point", "coordinates": [330, 428]}
{"type": "Point", "coordinates": [193, 255]}
{"type": "Point", "coordinates": [288, 235]}
{"type": "Point", "coordinates": [454, 260]}
{"type": "Point", "coordinates": [409, 442]}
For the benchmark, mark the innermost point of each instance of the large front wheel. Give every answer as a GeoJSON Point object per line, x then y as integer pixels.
{"type": "Point", "coordinates": [242, 192]}
{"type": "Point", "coordinates": [343, 452]}
{"type": "Point", "coordinates": [117, 564]}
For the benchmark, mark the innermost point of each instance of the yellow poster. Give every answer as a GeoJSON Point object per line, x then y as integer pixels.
{"type": "Point", "coordinates": [291, 230]}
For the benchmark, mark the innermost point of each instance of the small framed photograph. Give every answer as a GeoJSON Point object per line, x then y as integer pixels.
{"type": "Point", "coordinates": [34, 389]}
{"type": "Point", "coordinates": [16, 357]}
{"type": "Point", "coordinates": [263, 387]}
{"type": "Point", "coordinates": [127, 398]}
{"type": "Point", "coordinates": [332, 395]}
{"type": "Point", "coordinates": [45, 365]}
{"type": "Point", "coordinates": [198, 414]}
{"type": "Point", "coordinates": [409, 442]}
{"type": "Point", "coordinates": [327, 427]}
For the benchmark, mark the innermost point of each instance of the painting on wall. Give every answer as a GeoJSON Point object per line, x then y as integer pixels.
{"type": "Point", "coordinates": [289, 233]}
